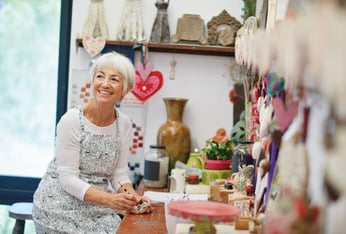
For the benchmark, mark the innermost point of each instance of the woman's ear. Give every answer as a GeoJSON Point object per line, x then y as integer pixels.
{"type": "Point", "coordinates": [129, 87]}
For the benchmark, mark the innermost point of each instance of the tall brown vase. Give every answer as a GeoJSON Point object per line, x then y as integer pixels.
{"type": "Point", "coordinates": [174, 134]}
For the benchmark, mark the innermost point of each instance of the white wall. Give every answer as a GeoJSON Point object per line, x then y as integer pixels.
{"type": "Point", "coordinates": [200, 78]}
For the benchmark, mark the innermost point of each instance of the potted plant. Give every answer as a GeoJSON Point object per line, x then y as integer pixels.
{"type": "Point", "coordinates": [218, 153]}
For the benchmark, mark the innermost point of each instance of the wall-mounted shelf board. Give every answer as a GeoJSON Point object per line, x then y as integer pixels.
{"type": "Point", "coordinates": [175, 48]}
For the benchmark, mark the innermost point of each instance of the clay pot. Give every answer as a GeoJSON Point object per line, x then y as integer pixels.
{"type": "Point", "coordinates": [218, 164]}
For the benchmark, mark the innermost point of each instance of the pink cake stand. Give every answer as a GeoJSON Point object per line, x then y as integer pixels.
{"type": "Point", "coordinates": [204, 214]}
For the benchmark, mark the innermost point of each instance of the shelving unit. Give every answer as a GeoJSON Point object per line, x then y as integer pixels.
{"type": "Point", "coordinates": [175, 48]}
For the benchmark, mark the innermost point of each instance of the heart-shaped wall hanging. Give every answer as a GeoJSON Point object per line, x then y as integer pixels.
{"type": "Point", "coordinates": [284, 115]}
{"type": "Point", "coordinates": [144, 71]}
{"type": "Point", "coordinates": [147, 82]}
{"type": "Point", "coordinates": [93, 45]}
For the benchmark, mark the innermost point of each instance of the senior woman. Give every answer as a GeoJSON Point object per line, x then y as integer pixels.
{"type": "Point", "coordinates": [86, 184]}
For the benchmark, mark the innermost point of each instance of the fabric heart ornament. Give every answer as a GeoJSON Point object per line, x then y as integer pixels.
{"type": "Point", "coordinates": [144, 89]}
{"type": "Point", "coordinates": [144, 71]}
{"type": "Point", "coordinates": [93, 45]}
{"type": "Point", "coordinates": [284, 115]}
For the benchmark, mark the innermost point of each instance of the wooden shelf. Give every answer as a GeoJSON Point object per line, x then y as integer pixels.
{"type": "Point", "coordinates": [175, 48]}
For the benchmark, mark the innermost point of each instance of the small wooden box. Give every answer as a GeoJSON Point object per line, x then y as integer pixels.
{"type": "Point", "coordinates": [242, 223]}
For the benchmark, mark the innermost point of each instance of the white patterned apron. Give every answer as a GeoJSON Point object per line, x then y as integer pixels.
{"type": "Point", "coordinates": [56, 211]}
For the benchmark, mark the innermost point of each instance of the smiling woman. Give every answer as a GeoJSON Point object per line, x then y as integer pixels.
{"type": "Point", "coordinates": [88, 175]}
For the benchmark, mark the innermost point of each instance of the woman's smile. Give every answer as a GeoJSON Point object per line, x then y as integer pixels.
{"type": "Point", "coordinates": [103, 92]}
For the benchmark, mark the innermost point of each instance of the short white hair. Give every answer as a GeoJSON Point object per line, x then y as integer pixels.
{"type": "Point", "coordinates": [119, 62]}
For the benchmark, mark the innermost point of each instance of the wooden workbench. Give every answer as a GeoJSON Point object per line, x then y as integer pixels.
{"type": "Point", "coordinates": [155, 222]}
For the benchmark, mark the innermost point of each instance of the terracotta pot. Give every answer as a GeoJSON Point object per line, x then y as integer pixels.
{"type": "Point", "coordinates": [218, 164]}
{"type": "Point", "coordinates": [174, 134]}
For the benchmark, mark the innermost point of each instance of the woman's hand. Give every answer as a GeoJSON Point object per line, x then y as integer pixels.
{"type": "Point", "coordinates": [122, 201]}
{"type": "Point", "coordinates": [143, 206]}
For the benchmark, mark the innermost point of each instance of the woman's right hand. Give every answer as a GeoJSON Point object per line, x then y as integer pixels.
{"type": "Point", "coordinates": [117, 201]}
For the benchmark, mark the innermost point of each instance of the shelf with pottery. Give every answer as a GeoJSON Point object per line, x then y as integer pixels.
{"type": "Point", "coordinates": [174, 48]}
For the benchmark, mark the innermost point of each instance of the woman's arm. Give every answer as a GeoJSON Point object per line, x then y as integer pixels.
{"type": "Point", "coordinates": [117, 201]}
{"type": "Point", "coordinates": [120, 174]}
{"type": "Point", "coordinates": [67, 152]}
{"type": "Point", "coordinates": [120, 180]}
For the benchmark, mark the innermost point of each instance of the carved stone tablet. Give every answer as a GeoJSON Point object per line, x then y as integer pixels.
{"type": "Point", "coordinates": [191, 28]}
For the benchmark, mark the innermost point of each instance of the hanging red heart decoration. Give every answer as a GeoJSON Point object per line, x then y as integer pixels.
{"type": "Point", "coordinates": [147, 87]}
{"type": "Point", "coordinates": [284, 115]}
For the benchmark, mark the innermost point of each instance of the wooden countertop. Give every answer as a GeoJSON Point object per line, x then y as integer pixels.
{"type": "Point", "coordinates": [153, 223]}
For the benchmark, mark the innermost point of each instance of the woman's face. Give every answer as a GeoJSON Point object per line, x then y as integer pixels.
{"type": "Point", "coordinates": [108, 85]}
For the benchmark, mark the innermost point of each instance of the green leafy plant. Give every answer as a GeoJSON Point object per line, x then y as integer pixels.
{"type": "Point", "coordinates": [216, 151]}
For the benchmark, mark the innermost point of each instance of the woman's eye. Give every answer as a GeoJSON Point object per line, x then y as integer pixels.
{"type": "Point", "coordinates": [115, 79]}
{"type": "Point", "coordinates": [100, 77]}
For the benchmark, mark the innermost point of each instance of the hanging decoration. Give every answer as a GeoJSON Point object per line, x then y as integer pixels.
{"type": "Point", "coordinates": [137, 111]}
{"type": "Point", "coordinates": [301, 70]}
{"type": "Point", "coordinates": [148, 82]}
{"type": "Point", "coordinates": [93, 45]}
{"type": "Point", "coordinates": [284, 114]}
{"type": "Point", "coordinates": [173, 64]}
{"type": "Point", "coordinates": [95, 31]}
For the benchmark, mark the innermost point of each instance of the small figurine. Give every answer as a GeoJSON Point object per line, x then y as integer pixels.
{"type": "Point", "coordinates": [220, 136]}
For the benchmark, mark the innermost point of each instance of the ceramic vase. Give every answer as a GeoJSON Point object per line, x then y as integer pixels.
{"type": "Point", "coordinates": [174, 134]}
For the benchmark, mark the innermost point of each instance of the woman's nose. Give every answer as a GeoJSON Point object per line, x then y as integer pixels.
{"type": "Point", "coordinates": [106, 82]}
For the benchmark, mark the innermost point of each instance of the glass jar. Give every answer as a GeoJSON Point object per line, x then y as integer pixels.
{"type": "Point", "coordinates": [156, 167]}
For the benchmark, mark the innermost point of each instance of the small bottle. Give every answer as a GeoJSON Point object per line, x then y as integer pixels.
{"type": "Point", "coordinates": [156, 167]}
